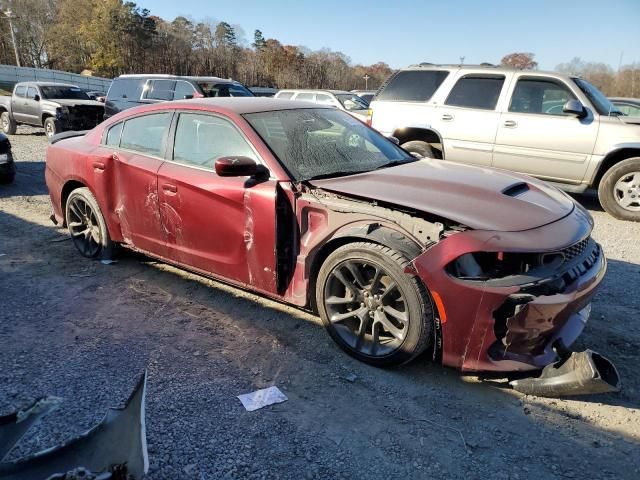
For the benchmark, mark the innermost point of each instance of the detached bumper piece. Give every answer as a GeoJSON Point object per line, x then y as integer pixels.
{"type": "Point", "coordinates": [580, 373]}
{"type": "Point", "coordinates": [115, 449]}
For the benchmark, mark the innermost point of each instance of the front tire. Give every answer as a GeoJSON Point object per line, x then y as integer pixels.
{"type": "Point", "coordinates": [421, 148]}
{"type": "Point", "coordinates": [8, 123]}
{"type": "Point", "coordinates": [86, 225]}
{"type": "Point", "coordinates": [51, 127]}
{"type": "Point", "coordinates": [371, 308]}
{"type": "Point", "coordinates": [619, 190]}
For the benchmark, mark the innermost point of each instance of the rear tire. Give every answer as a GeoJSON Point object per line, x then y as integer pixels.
{"type": "Point", "coordinates": [9, 125]}
{"type": "Point", "coordinates": [51, 127]}
{"type": "Point", "coordinates": [86, 225]}
{"type": "Point", "coordinates": [371, 308]}
{"type": "Point", "coordinates": [418, 146]}
{"type": "Point", "coordinates": [619, 190]}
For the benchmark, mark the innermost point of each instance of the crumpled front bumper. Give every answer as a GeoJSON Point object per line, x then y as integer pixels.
{"type": "Point", "coordinates": [485, 327]}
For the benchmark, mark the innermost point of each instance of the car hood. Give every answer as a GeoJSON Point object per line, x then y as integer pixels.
{"type": "Point", "coordinates": [69, 102]}
{"type": "Point", "coordinates": [480, 198]}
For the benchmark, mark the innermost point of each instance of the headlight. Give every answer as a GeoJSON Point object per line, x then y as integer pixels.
{"type": "Point", "coordinates": [483, 266]}
{"type": "Point", "coordinates": [60, 111]}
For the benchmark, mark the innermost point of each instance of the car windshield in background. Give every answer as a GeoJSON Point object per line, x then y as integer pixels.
{"type": "Point", "coordinates": [63, 93]}
{"type": "Point", "coordinates": [324, 143]}
{"type": "Point", "coordinates": [352, 102]}
{"type": "Point", "coordinates": [224, 90]}
{"type": "Point", "coordinates": [599, 100]}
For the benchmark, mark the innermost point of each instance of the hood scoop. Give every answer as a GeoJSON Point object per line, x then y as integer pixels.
{"type": "Point", "coordinates": [516, 189]}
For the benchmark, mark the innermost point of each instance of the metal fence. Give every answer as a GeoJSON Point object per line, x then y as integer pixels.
{"type": "Point", "coordinates": [10, 75]}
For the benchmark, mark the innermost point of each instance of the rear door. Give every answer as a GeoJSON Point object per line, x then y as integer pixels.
{"type": "Point", "coordinates": [467, 120]}
{"type": "Point", "coordinates": [536, 137]}
{"type": "Point", "coordinates": [220, 225]}
{"type": "Point", "coordinates": [138, 146]}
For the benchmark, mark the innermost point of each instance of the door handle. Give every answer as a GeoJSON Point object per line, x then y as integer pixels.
{"type": "Point", "coordinates": [98, 166]}
{"type": "Point", "coordinates": [510, 123]}
{"type": "Point", "coordinates": [447, 117]}
{"type": "Point", "coordinates": [167, 187]}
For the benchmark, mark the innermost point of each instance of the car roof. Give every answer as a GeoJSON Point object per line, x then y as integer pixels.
{"type": "Point", "coordinates": [236, 105]}
{"type": "Point", "coordinates": [313, 90]}
{"type": "Point", "coordinates": [483, 67]}
{"type": "Point", "coordinates": [177, 77]}
{"type": "Point", "coordinates": [48, 84]}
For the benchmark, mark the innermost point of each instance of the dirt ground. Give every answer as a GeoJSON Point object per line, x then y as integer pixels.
{"type": "Point", "coordinates": [82, 330]}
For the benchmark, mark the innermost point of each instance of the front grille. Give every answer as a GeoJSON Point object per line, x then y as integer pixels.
{"type": "Point", "coordinates": [576, 249]}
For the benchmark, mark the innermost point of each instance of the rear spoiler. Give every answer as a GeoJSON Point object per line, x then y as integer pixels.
{"type": "Point", "coordinates": [64, 135]}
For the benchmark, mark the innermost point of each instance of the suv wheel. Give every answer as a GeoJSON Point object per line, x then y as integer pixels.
{"type": "Point", "coordinates": [421, 148]}
{"type": "Point", "coordinates": [8, 123]}
{"type": "Point", "coordinates": [619, 190]}
{"type": "Point", "coordinates": [371, 308]}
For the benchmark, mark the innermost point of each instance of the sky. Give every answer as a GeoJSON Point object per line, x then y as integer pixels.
{"type": "Point", "coordinates": [404, 32]}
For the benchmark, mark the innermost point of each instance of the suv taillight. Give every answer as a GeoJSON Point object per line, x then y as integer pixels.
{"type": "Point", "coordinates": [369, 117]}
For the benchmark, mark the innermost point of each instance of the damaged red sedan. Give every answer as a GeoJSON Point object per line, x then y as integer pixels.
{"type": "Point", "coordinates": [485, 269]}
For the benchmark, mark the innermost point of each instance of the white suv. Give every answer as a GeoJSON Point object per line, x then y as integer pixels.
{"type": "Point", "coordinates": [347, 101]}
{"type": "Point", "coordinates": [556, 127]}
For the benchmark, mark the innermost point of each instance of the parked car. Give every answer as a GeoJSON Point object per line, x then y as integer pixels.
{"type": "Point", "coordinates": [7, 165]}
{"type": "Point", "coordinates": [273, 196]}
{"type": "Point", "coordinates": [55, 106]}
{"type": "Point", "coordinates": [96, 95]}
{"type": "Point", "coordinates": [366, 95]}
{"type": "Point", "coordinates": [340, 99]}
{"type": "Point", "coordinates": [628, 106]}
{"type": "Point", "coordinates": [129, 91]}
{"type": "Point", "coordinates": [556, 127]}
{"type": "Point", "coordinates": [263, 91]}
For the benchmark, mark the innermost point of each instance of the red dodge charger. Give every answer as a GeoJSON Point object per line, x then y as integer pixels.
{"type": "Point", "coordinates": [485, 269]}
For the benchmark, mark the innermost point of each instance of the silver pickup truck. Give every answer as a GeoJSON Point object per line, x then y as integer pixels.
{"type": "Point", "coordinates": [556, 127]}
{"type": "Point", "coordinates": [55, 106]}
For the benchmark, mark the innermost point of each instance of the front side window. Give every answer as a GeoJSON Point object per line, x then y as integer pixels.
{"type": "Point", "coordinates": [202, 139]}
{"type": "Point", "coordinates": [160, 90]}
{"type": "Point", "coordinates": [113, 135]}
{"type": "Point", "coordinates": [183, 90]}
{"type": "Point", "coordinates": [413, 85]}
{"type": "Point", "coordinates": [480, 92]}
{"type": "Point", "coordinates": [324, 142]}
{"type": "Point", "coordinates": [63, 93]}
{"type": "Point", "coordinates": [541, 96]}
{"type": "Point", "coordinates": [351, 102]}
{"type": "Point", "coordinates": [31, 93]}
{"type": "Point", "coordinates": [146, 134]}
{"type": "Point", "coordinates": [324, 99]}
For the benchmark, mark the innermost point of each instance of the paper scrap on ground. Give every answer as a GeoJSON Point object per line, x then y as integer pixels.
{"type": "Point", "coordinates": [108, 262]}
{"type": "Point", "coordinates": [261, 398]}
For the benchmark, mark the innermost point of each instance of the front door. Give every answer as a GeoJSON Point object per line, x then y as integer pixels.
{"type": "Point", "coordinates": [537, 138]}
{"type": "Point", "coordinates": [221, 225]}
{"type": "Point", "coordinates": [32, 107]}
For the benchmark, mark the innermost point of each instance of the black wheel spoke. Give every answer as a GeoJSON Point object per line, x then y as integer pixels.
{"type": "Point", "coordinates": [338, 274]}
{"type": "Point", "coordinates": [84, 227]}
{"type": "Point", "coordinates": [357, 274]}
{"type": "Point", "coordinates": [340, 317]}
{"type": "Point", "coordinates": [381, 318]}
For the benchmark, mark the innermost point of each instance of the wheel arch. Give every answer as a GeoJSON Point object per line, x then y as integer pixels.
{"type": "Point", "coordinates": [424, 134]}
{"type": "Point", "coordinates": [612, 159]}
{"type": "Point", "coordinates": [46, 115]}
{"type": "Point", "coordinates": [68, 187]}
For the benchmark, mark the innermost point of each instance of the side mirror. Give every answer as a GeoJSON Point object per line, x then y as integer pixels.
{"type": "Point", "coordinates": [574, 107]}
{"type": "Point", "coordinates": [236, 167]}
{"type": "Point", "coordinates": [393, 139]}
{"type": "Point", "coordinates": [37, 98]}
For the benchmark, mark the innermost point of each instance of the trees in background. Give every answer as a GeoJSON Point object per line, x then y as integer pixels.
{"type": "Point", "coordinates": [521, 60]}
{"type": "Point", "coordinates": [623, 83]}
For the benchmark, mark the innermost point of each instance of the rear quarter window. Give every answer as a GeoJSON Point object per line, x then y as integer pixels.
{"type": "Point", "coordinates": [413, 86]}
{"type": "Point", "coordinates": [476, 91]}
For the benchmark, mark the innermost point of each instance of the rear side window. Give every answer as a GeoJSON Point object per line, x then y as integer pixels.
{"type": "Point", "coordinates": [476, 92]}
{"type": "Point", "coordinates": [183, 90]}
{"type": "Point", "coordinates": [113, 135]}
{"type": "Point", "coordinates": [413, 86]}
{"type": "Point", "coordinates": [285, 95]}
{"type": "Point", "coordinates": [146, 134]}
{"type": "Point", "coordinates": [160, 90]}
{"type": "Point", "coordinates": [21, 91]}
{"type": "Point", "coordinates": [130, 88]}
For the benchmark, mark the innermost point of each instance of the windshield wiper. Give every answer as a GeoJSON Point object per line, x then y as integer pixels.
{"type": "Point", "coordinates": [395, 163]}
{"type": "Point", "coordinates": [336, 174]}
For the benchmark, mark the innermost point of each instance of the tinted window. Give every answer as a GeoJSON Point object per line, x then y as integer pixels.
{"type": "Point", "coordinates": [202, 139]}
{"type": "Point", "coordinates": [146, 134]}
{"type": "Point", "coordinates": [64, 92]}
{"type": "Point", "coordinates": [160, 90]}
{"type": "Point", "coordinates": [324, 142]}
{"type": "Point", "coordinates": [183, 89]}
{"type": "Point", "coordinates": [285, 95]}
{"type": "Point", "coordinates": [21, 90]}
{"type": "Point", "coordinates": [476, 92]}
{"type": "Point", "coordinates": [113, 135]}
{"type": "Point", "coordinates": [413, 86]}
{"type": "Point", "coordinates": [130, 88]}
{"type": "Point", "coordinates": [31, 92]}
{"type": "Point", "coordinates": [210, 89]}
{"type": "Point", "coordinates": [539, 96]}
{"type": "Point", "coordinates": [351, 102]}
{"type": "Point", "coordinates": [306, 96]}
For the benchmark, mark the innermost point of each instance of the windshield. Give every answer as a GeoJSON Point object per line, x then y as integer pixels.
{"type": "Point", "coordinates": [600, 101]}
{"type": "Point", "coordinates": [351, 102]}
{"type": "Point", "coordinates": [211, 89]}
{"type": "Point", "coordinates": [62, 92]}
{"type": "Point", "coordinates": [318, 143]}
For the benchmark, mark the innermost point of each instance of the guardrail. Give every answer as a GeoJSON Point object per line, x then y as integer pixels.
{"type": "Point", "coordinates": [10, 75]}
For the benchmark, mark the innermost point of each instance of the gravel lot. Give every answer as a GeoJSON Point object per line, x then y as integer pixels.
{"type": "Point", "coordinates": [82, 330]}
